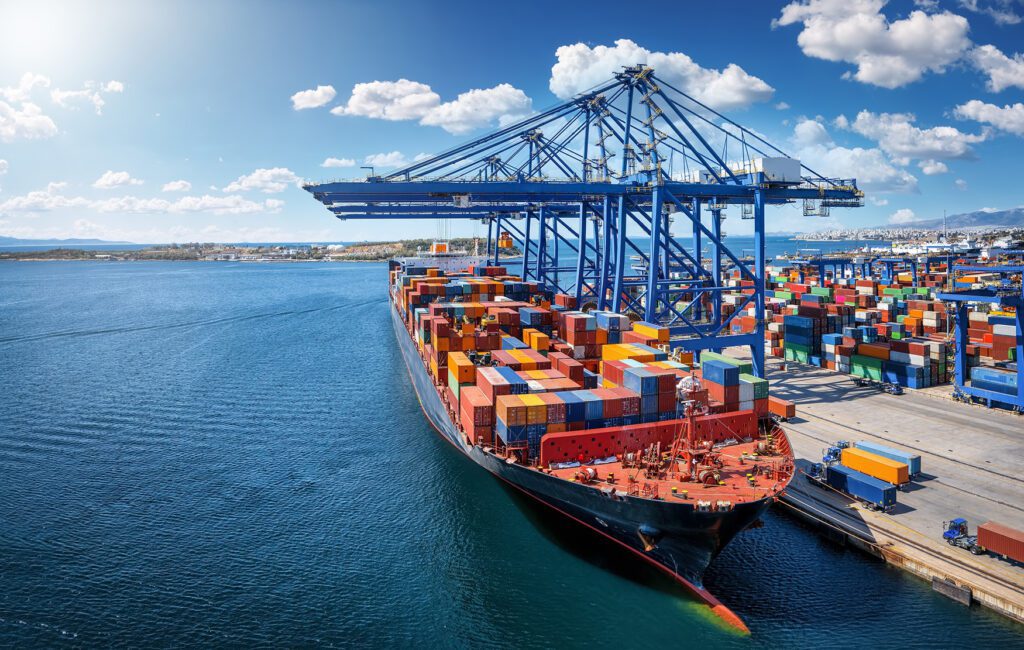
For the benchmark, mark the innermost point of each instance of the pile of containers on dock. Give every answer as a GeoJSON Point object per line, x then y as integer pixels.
{"type": "Point", "coordinates": [892, 333]}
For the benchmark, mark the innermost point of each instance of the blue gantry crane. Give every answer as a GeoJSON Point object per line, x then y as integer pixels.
{"type": "Point", "coordinates": [600, 178]}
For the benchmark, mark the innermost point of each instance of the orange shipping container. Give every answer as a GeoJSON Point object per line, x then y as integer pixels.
{"type": "Point", "coordinates": [873, 350]}
{"type": "Point", "coordinates": [510, 410]}
{"type": "Point", "coordinates": [781, 407]}
{"type": "Point", "coordinates": [463, 369]}
{"type": "Point", "coordinates": [884, 469]}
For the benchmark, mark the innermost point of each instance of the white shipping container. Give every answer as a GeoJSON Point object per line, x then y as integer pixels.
{"type": "Point", "coordinates": [1004, 330]}
{"type": "Point", "coordinates": [899, 357]}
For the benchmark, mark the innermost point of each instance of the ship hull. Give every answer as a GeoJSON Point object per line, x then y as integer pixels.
{"type": "Point", "coordinates": [685, 541]}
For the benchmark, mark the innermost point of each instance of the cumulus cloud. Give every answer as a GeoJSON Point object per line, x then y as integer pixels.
{"type": "Point", "coordinates": [902, 216]}
{"type": "Point", "coordinates": [478, 108]}
{"type": "Point", "coordinates": [999, 11]}
{"type": "Point", "coordinates": [412, 100]}
{"type": "Point", "coordinates": [897, 136]}
{"type": "Point", "coordinates": [1008, 118]}
{"type": "Point", "coordinates": [43, 200]}
{"type": "Point", "coordinates": [315, 98]}
{"type": "Point", "coordinates": [960, 184]}
{"type": "Point", "coordinates": [3, 167]}
{"type": "Point", "coordinates": [268, 181]}
{"type": "Point", "coordinates": [874, 171]}
{"type": "Point", "coordinates": [1003, 72]}
{"type": "Point", "coordinates": [781, 106]}
{"type": "Point", "coordinates": [338, 162]}
{"type": "Point", "coordinates": [24, 122]}
{"type": "Point", "coordinates": [177, 186]}
{"type": "Point", "coordinates": [386, 160]}
{"type": "Point", "coordinates": [51, 199]}
{"type": "Point", "coordinates": [23, 91]}
{"type": "Point", "coordinates": [581, 67]}
{"type": "Point", "coordinates": [887, 54]}
{"type": "Point", "coordinates": [112, 179]}
{"type": "Point", "coordinates": [92, 93]}
{"type": "Point", "coordinates": [933, 167]}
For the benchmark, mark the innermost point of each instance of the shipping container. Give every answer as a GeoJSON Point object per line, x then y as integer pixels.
{"type": "Point", "coordinates": [913, 461]}
{"type": "Point", "coordinates": [1002, 540]}
{"type": "Point", "coordinates": [861, 486]}
{"type": "Point", "coordinates": [882, 468]}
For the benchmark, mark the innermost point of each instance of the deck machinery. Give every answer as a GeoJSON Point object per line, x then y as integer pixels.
{"type": "Point", "coordinates": [602, 176]}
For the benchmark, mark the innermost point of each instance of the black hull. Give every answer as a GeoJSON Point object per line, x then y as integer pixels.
{"type": "Point", "coordinates": [687, 540]}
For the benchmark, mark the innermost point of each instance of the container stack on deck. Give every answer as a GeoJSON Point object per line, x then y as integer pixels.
{"type": "Point", "coordinates": [517, 370]}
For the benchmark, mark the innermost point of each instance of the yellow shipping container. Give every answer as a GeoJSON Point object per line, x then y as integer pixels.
{"type": "Point", "coordinates": [528, 335]}
{"type": "Point", "coordinates": [536, 409]}
{"type": "Point", "coordinates": [540, 342]}
{"type": "Point", "coordinates": [884, 469]}
{"type": "Point", "coordinates": [660, 334]}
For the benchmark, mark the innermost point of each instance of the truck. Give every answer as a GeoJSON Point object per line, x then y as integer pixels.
{"type": "Point", "coordinates": [913, 461]}
{"type": "Point", "coordinates": [955, 533]}
{"type": "Point", "coordinates": [876, 494]}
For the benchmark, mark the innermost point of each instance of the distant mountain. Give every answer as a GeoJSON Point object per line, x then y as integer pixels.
{"type": "Point", "coordinates": [14, 241]}
{"type": "Point", "coordinates": [1006, 218]}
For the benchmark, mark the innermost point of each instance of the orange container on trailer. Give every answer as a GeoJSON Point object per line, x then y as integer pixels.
{"type": "Point", "coordinates": [885, 469]}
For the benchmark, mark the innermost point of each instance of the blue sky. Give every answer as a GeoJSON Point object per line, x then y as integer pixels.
{"type": "Point", "coordinates": [184, 121]}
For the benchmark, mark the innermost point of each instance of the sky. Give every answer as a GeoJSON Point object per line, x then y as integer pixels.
{"type": "Point", "coordinates": [162, 122]}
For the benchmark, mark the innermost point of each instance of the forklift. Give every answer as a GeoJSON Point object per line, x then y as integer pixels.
{"type": "Point", "coordinates": [955, 534]}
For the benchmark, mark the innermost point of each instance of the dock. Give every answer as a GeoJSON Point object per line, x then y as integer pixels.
{"type": "Point", "coordinates": [971, 468]}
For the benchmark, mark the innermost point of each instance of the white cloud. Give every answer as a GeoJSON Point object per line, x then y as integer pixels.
{"type": "Point", "coordinates": [1001, 12]}
{"type": "Point", "coordinates": [390, 100]}
{"type": "Point", "coordinates": [23, 91]}
{"type": "Point", "coordinates": [781, 106]}
{"type": "Point", "coordinates": [112, 179]}
{"type": "Point", "coordinates": [177, 186]}
{"type": "Point", "coordinates": [4, 166]}
{"type": "Point", "coordinates": [43, 201]}
{"type": "Point", "coordinates": [412, 100]}
{"type": "Point", "coordinates": [338, 162]}
{"type": "Point", "coordinates": [24, 123]}
{"type": "Point", "coordinates": [392, 159]}
{"type": "Point", "coordinates": [268, 181]}
{"type": "Point", "coordinates": [92, 94]}
{"type": "Point", "coordinates": [233, 204]}
{"type": "Point", "coordinates": [315, 98]}
{"type": "Point", "coordinates": [933, 167]}
{"type": "Point", "coordinates": [897, 136]}
{"type": "Point", "coordinates": [1003, 72]}
{"type": "Point", "coordinates": [422, 156]}
{"type": "Point", "coordinates": [1009, 118]}
{"type": "Point", "coordinates": [902, 216]}
{"type": "Point", "coordinates": [887, 54]}
{"type": "Point", "coordinates": [581, 67]}
{"type": "Point", "coordinates": [478, 108]}
{"type": "Point", "coordinates": [871, 167]}
{"type": "Point", "coordinates": [960, 184]}
{"type": "Point", "coordinates": [878, 201]}
{"type": "Point", "coordinates": [807, 133]}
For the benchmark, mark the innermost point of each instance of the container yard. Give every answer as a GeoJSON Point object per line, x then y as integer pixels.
{"type": "Point", "coordinates": [610, 343]}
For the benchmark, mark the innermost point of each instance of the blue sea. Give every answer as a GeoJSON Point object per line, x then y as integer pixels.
{"type": "Point", "coordinates": [217, 454]}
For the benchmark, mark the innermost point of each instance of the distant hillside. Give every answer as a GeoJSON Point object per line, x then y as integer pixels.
{"type": "Point", "coordinates": [14, 241]}
{"type": "Point", "coordinates": [1005, 218]}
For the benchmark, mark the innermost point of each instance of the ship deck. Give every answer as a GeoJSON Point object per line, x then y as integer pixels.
{"type": "Point", "coordinates": [744, 477]}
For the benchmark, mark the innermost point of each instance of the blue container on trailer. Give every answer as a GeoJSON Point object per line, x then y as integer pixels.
{"type": "Point", "coordinates": [861, 486]}
{"type": "Point", "coordinates": [640, 380]}
{"type": "Point", "coordinates": [720, 372]}
{"type": "Point", "coordinates": [913, 461]}
{"type": "Point", "coordinates": [1005, 381]}
{"type": "Point", "coordinates": [575, 410]}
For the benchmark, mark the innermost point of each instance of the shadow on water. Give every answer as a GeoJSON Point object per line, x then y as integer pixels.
{"type": "Point", "coordinates": [585, 544]}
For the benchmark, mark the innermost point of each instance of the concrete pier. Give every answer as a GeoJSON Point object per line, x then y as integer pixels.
{"type": "Point", "coordinates": [972, 464]}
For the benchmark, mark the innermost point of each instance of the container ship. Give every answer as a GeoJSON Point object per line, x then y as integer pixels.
{"type": "Point", "coordinates": [589, 413]}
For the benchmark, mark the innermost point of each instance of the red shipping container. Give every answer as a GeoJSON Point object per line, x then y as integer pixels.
{"type": "Point", "coordinates": [782, 408]}
{"type": "Point", "coordinates": [723, 394]}
{"type": "Point", "coordinates": [473, 402]}
{"type": "Point", "coordinates": [478, 434]}
{"type": "Point", "coordinates": [556, 407]}
{"type": "Point", "coordinates": [666, 402]}
{"type": "Point", "coordinates": [1002, 540]}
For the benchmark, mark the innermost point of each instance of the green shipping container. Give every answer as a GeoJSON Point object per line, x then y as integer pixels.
{"type": "Point", "coordinates": [760, 385]}
{"type": "Point", "coordinates": [744, 366]}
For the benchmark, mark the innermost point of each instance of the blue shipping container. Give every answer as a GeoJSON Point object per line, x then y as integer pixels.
{"type": "Point", "coordinates": [861, 486]}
